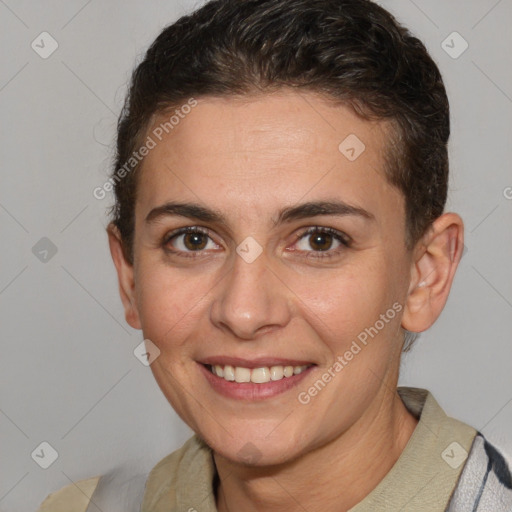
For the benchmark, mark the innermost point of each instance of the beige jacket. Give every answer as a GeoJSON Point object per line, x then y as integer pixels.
{"type": "Point", "coordinates": [422, 479]}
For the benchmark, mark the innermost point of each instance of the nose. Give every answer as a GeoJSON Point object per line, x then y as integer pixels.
{"type": "Point", "coordinates": [251, 300]}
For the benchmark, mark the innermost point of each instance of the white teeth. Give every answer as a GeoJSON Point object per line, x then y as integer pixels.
{"type": "Point", "coordinates": [276, 373]}
{"type": "Point", "coordinates": [288, 371]}
{"type": "Point", "coordinates": [257, 375]}
{"type": "Point", "coordinates": [260, 375]}
{"type": "Point", "coordinates": [242, 374]}
{"type": "Point", "coordinates": [229, 372]}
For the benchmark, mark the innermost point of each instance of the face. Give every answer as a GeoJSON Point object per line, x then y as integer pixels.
{"type": "Point", "coordinates": [293, 251]}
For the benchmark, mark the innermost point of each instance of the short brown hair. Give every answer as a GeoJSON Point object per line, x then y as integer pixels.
{"type": "Point", "coordinates": [352, 51]}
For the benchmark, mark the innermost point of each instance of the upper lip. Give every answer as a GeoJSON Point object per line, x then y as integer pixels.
{"type": "Point", "coordinates": [257, 362]}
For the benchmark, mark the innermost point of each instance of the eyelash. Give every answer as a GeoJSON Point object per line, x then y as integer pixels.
{"type": "Point", "coordinates": [340, 237]}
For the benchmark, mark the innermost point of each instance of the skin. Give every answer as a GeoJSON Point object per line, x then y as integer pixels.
{"type": "Point", "coordinates": [247, 158]}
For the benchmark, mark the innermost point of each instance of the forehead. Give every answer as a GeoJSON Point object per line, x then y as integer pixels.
{"type": "Point", "coordinates": [257, 150]}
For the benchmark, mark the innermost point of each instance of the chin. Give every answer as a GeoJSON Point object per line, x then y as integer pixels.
{"type": "Point", "coordinates": [253, 449]}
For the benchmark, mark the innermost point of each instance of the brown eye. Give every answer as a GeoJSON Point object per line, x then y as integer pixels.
{"type": "Point", "coordinates": [195, 241]}
{"type": "Point", "coordinates": [189, 240]}
{"type": "Point", "coordinates": [320, 241]}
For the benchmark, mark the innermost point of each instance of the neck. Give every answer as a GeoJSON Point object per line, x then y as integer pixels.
{"type": "Point", "coordinates": [333, 477]}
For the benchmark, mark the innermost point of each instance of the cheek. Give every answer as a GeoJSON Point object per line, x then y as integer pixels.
{"type": "Point", "coordinates": [344, 304]}
{"type": "Point", "coordinates": [170, 303]}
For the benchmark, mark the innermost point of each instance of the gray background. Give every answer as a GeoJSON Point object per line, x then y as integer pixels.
{"type": "Point", "coordinates": [68, 373]}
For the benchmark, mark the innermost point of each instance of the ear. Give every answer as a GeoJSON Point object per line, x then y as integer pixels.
{"type": "Point", "coordinates": [125, 275]}
{"type": "Point", "coordinates": [435, 261]}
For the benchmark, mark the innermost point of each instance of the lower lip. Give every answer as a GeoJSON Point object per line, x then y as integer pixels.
{"type": "Point", "coordinates": [249, 390]}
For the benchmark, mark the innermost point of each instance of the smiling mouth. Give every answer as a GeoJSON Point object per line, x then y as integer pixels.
{"type": "Point", "coordinates": [259, 375]}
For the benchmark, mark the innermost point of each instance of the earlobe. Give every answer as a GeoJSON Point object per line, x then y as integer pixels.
{"type": "Point", "coordinates": [436, 258]}
{"type": "Point", "coordinates": [125, 275]}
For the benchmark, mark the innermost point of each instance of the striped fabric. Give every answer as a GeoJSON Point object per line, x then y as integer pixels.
{"type": "Point", "coordinates": [485, 484]}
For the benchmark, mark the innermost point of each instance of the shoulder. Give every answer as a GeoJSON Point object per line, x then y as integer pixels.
{"type": "Point", "coordinates": [128, 485]}
{"type": "Point", "coordinates": [485, 482]}
{"type": "Point", "coordinates": [74, 497]}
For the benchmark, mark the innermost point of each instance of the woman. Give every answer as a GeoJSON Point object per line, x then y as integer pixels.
{"type": "Point", "coordinates": [279, 233]}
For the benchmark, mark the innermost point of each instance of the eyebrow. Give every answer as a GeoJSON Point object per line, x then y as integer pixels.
{"type": "Point", "coordinates": [302, 211]}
